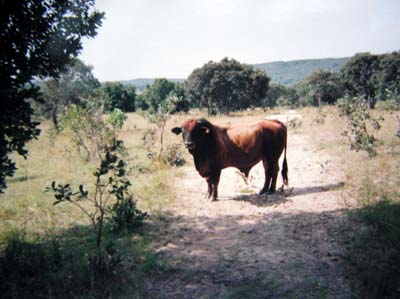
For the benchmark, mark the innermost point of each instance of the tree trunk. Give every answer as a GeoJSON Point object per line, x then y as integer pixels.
{"type": "Point", "coordinates": [161, 142]}
{"type": "Point", "coordinates": [54, 118]}
{"type": "Point", "coordinates": [372, 102]}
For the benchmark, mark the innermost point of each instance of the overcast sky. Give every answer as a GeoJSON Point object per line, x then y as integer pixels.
{"type": "Point", "coordinates": [169, 38]}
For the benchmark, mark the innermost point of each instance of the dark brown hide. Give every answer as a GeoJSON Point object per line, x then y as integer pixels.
{"type": "Point", "coordinates": [243, 146]}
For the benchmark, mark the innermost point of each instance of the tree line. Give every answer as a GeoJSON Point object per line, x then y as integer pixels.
{"type": "Point", "coordinates": [223, 87]}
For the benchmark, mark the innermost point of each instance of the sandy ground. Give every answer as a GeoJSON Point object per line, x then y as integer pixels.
{"type": "Point", "coordinates": [255, 246]}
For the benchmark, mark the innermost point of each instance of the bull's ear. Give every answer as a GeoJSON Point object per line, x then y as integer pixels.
{"type": "Point", "coordinates": [176, 130]}
{"type": "Point", "coordinates": [205, 130]}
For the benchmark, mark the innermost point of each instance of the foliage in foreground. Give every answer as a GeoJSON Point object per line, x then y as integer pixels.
{"type": "Point", "coordinates": [38, 38]}
{"type": "Point", "coordinates": [57, 266]}
{"type": "Point", "coordinates": [374, 252]}
{"type": "Point", "coordinates": [359, 123]}
{"type": "Point", "coordinates": [110, 184]}
{"type": "Point", "coordinates": [89, 131]}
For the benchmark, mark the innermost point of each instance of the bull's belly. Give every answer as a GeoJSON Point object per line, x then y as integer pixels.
{"type": "Point", "coordinates": [244, 164]}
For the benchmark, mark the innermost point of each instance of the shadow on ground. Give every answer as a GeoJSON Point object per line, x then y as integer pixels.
{"type": "Point", "coordinates": [60, 265]}
{"type": "Point", "coordinates": [270, 256]}
{"type": "Point", "coordinates": [280, 197]}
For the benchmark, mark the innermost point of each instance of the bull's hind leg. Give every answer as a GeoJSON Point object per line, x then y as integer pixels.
{"type": "Point", "coordinates": [267, 177]}
{"type": "Point", "coordinates": [273, 170]}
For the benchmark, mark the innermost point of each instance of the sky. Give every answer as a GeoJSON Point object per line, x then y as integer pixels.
{"type": "Point", "coordinates": [170, 38]}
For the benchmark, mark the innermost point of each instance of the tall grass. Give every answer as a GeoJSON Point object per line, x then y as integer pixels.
{"type": "Point", "coordinates": [372, 196]}
{"type": "Point", "coordinates": [47, 251]}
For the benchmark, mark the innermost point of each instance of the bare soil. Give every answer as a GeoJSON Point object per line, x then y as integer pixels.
{"type": "Point", "coordinates": [255, 246]}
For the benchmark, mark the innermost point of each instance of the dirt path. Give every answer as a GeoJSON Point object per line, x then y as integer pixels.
{"type": "Point", "coordinates": [251, 246]}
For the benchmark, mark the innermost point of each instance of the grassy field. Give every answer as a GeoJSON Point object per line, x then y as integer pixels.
{"type": "Point", "coordinates": [372, 198]}
{"type": "Point", "coordinates": [34, 234]}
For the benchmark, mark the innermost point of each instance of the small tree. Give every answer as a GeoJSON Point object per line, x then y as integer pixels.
{"type": "Point", "coordinates": [172, 154]}
{"type": "Point", "coordinates": [160, 118]}
{"type": "Point", "coordinates": [116, 119]}
{"type": "Point", "coordinates": [87, 129]}
{"type": "Point", "coordinates": [75, 84]}
{"type": "Point", "coordinates": [227, 86]}
{"type": "Point", "coordinates": [320, 87]}
{"type": "Point", "coordinates": [110, 183]}
{"type": "Point", "coordinates": [118, 96]}
{"type": "Point", "coordinates": [359, 120]}
{"type": "Point", "coordinates": [358, 74]}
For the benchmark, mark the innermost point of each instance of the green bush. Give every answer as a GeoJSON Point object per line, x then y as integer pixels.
{"type": "Point", "coordinates": [374, 251]}
{"type": "Point", "coordinates": [87, 130]}
{"type": "Point", "coordinates": [55, 267]}
{"type": "Point", "coordinates": [125, 216]}
{"type": "Point", "coordinates": [110, 183]}
{"type": "Point", "coordinates": [117, 119]}
{"type": "Point", "coordinates": [358, 125]}
{"type": "Point", "coordinates": [173, 155]}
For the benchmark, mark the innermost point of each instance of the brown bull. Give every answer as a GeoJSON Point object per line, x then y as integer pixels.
{"type": "Point", "coordinates": [215, 148]}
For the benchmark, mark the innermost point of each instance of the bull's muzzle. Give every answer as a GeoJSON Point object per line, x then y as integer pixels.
{"type": "Point", "coordinates": [189, 145]}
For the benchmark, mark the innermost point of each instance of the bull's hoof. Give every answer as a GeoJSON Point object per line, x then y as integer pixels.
{"type": "Point", "coordinates": [214, 199]}
{"type": "Point", "coordinates": [271, 191]}
{"type": "Point", "coordinates": [262, 191]}
{"type": "Point", "coordinates": [281, 190]}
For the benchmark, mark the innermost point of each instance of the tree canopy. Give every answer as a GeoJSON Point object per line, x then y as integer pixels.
{"type": "Point", "coordinates": [387, 78]}
{"type": "Point", "coordinates": [37, 39]}
{"type": "Point", "coordinates": [321, 87]}
{"type": "Point", "coordinates": [157, 94]}
{"type": "Point", "coordinates": [75, 84]}
{"type": "Point", "coordinates": [117, 95]}
{"type": "Point", "coordinates": [358, 74]}
{"type": "Point", "coordinates": [227, 86]}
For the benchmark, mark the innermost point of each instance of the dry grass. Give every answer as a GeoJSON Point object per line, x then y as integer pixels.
{"type": "Point", "coordinates": [25, 206]}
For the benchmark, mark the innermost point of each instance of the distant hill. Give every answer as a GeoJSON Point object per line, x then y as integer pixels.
{"type": "Point", "coordinates": [291, 72]}
{"type": "Point", "coordinates": [283, 72]}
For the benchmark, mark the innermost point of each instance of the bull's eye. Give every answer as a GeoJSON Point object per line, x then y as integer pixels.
{"type": "Point", "coordinates": [205, 130]}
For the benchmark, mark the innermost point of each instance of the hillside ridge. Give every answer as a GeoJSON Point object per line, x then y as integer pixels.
{"type": "Point", "coordinates": [283, 72]}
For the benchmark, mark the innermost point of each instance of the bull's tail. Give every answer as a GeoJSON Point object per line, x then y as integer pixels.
{"type": "Point", "coordinates": [284, 171]}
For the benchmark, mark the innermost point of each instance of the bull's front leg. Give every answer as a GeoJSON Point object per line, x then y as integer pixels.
{"type": "Point", "coordinates": [209, 184]}
{"type": "Point", "coordinates": [215, 175]}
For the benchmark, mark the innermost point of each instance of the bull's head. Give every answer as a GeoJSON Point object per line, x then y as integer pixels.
{"type": "Point", "coordinates": [194, 132]}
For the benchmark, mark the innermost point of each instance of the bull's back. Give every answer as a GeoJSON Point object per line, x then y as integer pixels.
{"type": "Point", "coordinates": [244, 145]}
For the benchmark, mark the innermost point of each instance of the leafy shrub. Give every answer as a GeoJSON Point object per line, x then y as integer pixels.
{"type": "Point", "coordinates": [345, 105]}
{"type": "Point", "coordinates": [117, 119]}
{"type": "Point", "coordinates": [149, 142]}
{"type": "Point", "coordinates": [87, 129]}
{"type": "Point", "coordinates": [173, 155]}
{"type": "Point", "coordinates": [359, 119]}
{"type": "Point", "coordinates": [283, 102]}
{"type": "Point", "coordinates": [374, 251]}
{"type": "Point", "coordinates": [320, 117]}
{"type": "Point", "coordinates": [124, 215]}
{"type": "Point", "coordinates": [110, 182]}
{"type": "Point", "coordinates": [294, 123]}
{"type": "Point", "coordinates": [160, 118]}
{"type": "Point", "coordinates": [54, 267]}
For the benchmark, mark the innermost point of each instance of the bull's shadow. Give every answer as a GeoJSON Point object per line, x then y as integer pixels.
{"type": "Point", "coordinates": [282, 196]}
